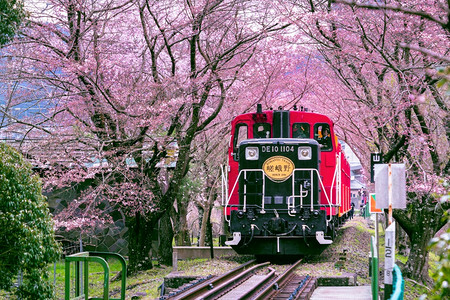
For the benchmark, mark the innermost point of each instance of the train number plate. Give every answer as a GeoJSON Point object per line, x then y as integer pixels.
{"type": "Point", "coordinates": [276, 148]}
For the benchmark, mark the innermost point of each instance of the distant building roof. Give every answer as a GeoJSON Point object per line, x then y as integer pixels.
{"type": "Point", "coordinates": [356, 185]}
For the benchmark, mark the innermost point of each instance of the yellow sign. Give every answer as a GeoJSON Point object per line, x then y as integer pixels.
{"type": "Point", "coordinates": [278, 168]}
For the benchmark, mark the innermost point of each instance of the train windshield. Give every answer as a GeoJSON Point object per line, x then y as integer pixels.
{"type": "Point", "coordinates": [261, 130]}
{"type": "Point", "coordinates": [240, 134]}
{"type": "Point", "coordinates": [300, 130]}
{"type": "Point", "coordinates": [322, 134]}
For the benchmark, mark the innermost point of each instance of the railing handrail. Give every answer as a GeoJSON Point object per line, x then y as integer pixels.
{"type": "Point", "coordinates": [99, 257]}
{"type": "Point", "coordinates": [398, 284]}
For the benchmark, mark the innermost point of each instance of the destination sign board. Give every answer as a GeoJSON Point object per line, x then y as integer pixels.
{"type": "Point", "coordinates": [278, 168]}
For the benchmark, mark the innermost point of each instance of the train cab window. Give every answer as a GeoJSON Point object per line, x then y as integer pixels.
{"type": "Point", "coordinates": [300, 131]}
{"type": "Point", "coordinates": [261, 130]}
{"type": "Point", "coordinates": [322, 134]}
{"type": "Point", "coordinates": [240, 134]}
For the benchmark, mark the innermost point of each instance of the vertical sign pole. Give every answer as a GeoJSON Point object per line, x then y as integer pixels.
{"type": "Point", "coordinates": [389, 260]}
{"type": "Point", "coordinates": [377, 236]}
{"type": "Point", "coordinates": [389, 256]}
{"type": "Point", "coordinates": [390, 193]}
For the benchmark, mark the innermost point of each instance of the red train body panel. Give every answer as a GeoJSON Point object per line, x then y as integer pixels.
{"type": "Point", "coordinates": [288, 183]}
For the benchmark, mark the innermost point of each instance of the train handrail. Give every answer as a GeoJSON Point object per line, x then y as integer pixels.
{"type": "Point", "coordinates": [338, 179]}
{"type": "Point", "coordinates": [337, 176]}
{"type": "Point", "coordinates": [234, 186]}
{"type": "Point", "coordinates": [224, 184]}
{"type": "Point", "coordinates": [316, 206]}
{"type": "Point", "coordinates": [330, 205]}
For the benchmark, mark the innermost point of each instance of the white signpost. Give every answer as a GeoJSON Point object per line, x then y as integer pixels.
{"type": "Point", "coordinates": [390, 185]}
{"type": "Point", "coordinates": [389, 260]}
{"type": "Point", "coordinates": [390, 188]}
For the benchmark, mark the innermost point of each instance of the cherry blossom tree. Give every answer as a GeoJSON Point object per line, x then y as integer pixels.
{"type": "Point", "coordinates": [114, 85]}
{"type": "Point", "coordinates": [386, 99]}
{"type": "Point", "coordinates": [107, 88]}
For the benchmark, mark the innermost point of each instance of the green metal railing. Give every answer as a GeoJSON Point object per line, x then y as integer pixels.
{"type": "Point", "coordinates": [398, 284]}
{"type": "Point", "coordinates": [374, 268]}
{"type": "Point", "coordinates": [366, 211]}
{"type": "Point", "coordinates": [83, 259]}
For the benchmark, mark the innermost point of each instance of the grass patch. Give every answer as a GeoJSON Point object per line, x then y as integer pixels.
{"type": "Point", "coordinates": [146, 282]}
{"type": "Point", "coordinates": [353, 239]}
{"type": "Point", "coordinates": [96, 277]}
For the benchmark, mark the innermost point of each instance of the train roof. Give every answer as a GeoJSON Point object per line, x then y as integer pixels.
{"type": "Point", "coordinates": [280, 141]}
{"type": "Point", "coordinates": [306, 116]}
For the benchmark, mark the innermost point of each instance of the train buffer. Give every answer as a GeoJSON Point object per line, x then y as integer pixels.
{"type": "Point", "coordinates": [362, 292]}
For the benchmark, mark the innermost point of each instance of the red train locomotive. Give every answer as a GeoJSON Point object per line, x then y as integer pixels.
{"type": "Point", "coordinates": [288, 183]}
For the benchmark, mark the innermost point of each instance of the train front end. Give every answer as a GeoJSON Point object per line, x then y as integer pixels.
{"type": "Point", "coordinates": [275, 191]}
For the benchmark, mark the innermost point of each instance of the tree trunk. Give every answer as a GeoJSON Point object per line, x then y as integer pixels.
{"type": "Point", "coordinates": [182, 234]}
{"type": "Point", "coordinates": [426, 225]}
{"type": "Point", "coordinates": [203, 227]}
{"type": "Point", "coordinates": [209, 232]}
{"type": "Point", "coordinates": [165, 240]}
{"type": "Point", "coordinates": [206, 228]}
{"type": "Point", "coordinates": [421, 220]}
{"type": "Point", "coordinates": [401, 241]}
{"type": "Point", "coordinates": [417, 264]}
{"type": "Point", "coordinates": [209, 240]}
{"type": "Point", "coordinates": [140, 241]}
{"type": "Point", "coordinates": [181, 227]}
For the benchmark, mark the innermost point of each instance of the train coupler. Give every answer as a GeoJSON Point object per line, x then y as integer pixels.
{"type": "Point", "coordinates": [236, 239]}
{"type": "Point", "coordinates": [320, 237]}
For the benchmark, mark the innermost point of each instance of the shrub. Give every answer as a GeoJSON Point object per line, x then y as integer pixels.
{"type": "Point", "coordinates": [441, 276]}
{"type": "Point", "coordinates": [27, 242]}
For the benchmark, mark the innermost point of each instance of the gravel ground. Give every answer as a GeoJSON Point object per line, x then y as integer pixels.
{"type": "Point", "coordinates": [348, 254]}
{"type": "Point", "coordinates": [353, 239]}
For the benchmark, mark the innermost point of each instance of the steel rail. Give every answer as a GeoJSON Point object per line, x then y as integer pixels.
{"type": "Point", "coordinates": [197, 291]}
{"type": "Point", "coordinates": [228, 284]}
{"type": "Point", "coordinates": [252, 293]}
{"type": "Point", "coordinates": [279, 282]}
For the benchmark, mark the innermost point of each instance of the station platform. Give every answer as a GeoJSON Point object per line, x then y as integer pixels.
{"type": "Point", "coordinates": [363, 292]}
{"type": "Point", "coordinates": [187, 252]}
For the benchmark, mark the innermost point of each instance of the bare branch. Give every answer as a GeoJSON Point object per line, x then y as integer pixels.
{"type": "Point", "coordinates": [426, 52]}
{"type": "Point", "coordinates": [399, 8]}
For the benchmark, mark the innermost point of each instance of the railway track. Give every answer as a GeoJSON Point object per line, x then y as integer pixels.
{"type": "Point", "coordinates": [252, 281]}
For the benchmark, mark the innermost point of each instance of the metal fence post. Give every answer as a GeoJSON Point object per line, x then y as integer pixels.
{"type": "Point", "coordinates": [85, 258]}
{"type": "Point", "coordinates": [374, 268]}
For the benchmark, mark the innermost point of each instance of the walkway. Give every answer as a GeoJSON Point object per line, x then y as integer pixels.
{"type": "Point", "coordinates": [342, 292]}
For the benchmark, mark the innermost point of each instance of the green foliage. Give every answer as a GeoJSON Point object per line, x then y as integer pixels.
{"type": "Point", "coordinates": [441, 275]}
{"type": "Point", "coordinates": [11, 16]}
{"type": "Point", "coordinates": [26, 228]}
{"type": "Point", "coordinates": [191, 186]}
{"type": "Point", "coordinates": [444, 75]}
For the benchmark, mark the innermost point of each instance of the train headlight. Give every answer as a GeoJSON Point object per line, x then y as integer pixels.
{"type": "Point", "coordinates": [251, 153]}
{"type": "Point", "coordinates": [304, 153]}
